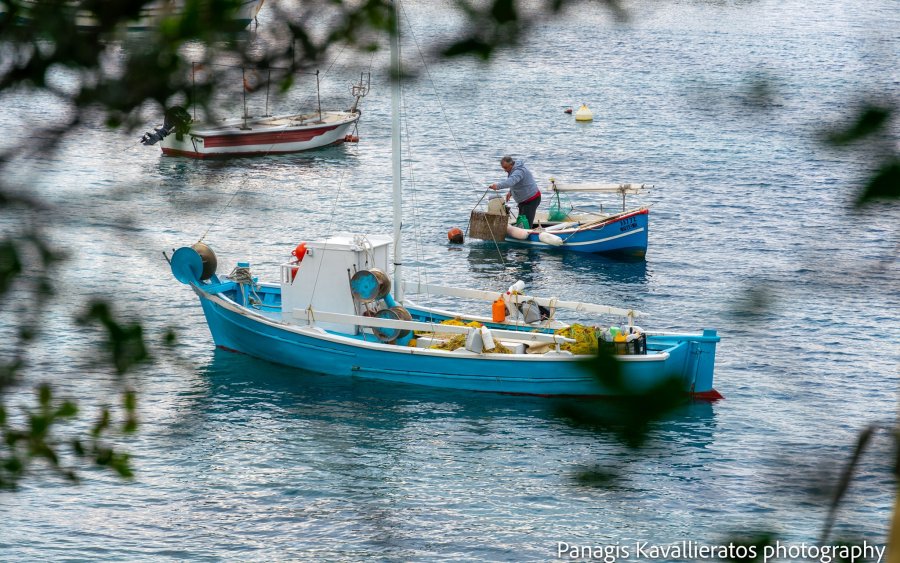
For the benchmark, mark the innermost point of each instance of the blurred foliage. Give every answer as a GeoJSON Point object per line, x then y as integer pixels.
{"type": "Point", "coordinates": [125, 343]}
{"type": "Point", "coordinates": [41, 40]}
{"type": "Point", "coordinates": [869, 131]}
{"type": "Point", "coordinates": [631, 414]}
{"type": "Point", "coordinates": [82, 54]}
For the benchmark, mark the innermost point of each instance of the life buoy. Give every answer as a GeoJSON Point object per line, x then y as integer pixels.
{"type": "Point", "coordinates": [298, 254]}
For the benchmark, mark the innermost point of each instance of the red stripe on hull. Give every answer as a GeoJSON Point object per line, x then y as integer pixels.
{"type": "Point", "coordinates": [214, 155]}
{"type": "Point", "coordinates": [711, 395]}
{"type": "Point", "coordinates": [267, 138]}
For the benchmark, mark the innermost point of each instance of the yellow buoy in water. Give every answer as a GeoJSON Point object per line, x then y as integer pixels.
{"type": "Point", "coordinates": [584, 114]}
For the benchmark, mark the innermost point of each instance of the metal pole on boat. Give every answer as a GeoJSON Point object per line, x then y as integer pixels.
{"type": "Point", "coordinates": [318, 95]}
{"type": "Point", "coordinates": [395, 151]}
{"type": "Point", "coordinates": [194, 87]}
{"type": "Point", "coordinates": [244, 91]}
{"type": "Point", "coordinates": [268, 82]}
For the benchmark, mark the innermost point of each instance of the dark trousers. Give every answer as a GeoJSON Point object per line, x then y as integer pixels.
{"type": "Point", "coordinates": [529, 208]}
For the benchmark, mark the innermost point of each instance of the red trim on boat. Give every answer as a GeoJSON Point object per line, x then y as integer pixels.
{"type": "Point", "coordinates": [266, 138]}
{"type": "Point", "coordinates": [711, 395]}
{"type": "Point", "coordinates": [216, 155]}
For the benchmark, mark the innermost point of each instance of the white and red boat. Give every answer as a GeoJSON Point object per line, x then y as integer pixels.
{"type": "Point", "coordinates": [268, 135]}
{"type": "Point", "coordinates": [252, 136]}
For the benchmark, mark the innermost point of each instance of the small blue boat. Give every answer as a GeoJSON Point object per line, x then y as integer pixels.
{"type": "Point", "coordinates": [624, 234]}
{"type": "Point", "coordinates": [621, 233]}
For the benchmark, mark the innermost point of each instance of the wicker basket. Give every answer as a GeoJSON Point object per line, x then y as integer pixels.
{"type": "Point", "coordinates": [486, 226]}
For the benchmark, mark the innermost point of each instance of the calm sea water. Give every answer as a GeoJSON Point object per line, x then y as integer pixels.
{"type": "Point", "coordinates": [238, 459]}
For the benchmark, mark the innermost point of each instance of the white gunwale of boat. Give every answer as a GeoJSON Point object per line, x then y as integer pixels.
{"type": "Point", "coordinates": [276, 122]}
{"type": "Point", "coordinates": [578, 306]}
{"type": "Point", "coordinates": [321, 334]}
{"type": "Point", "coordinates": [358, 320]}
{"type": "Point", "coordinates": [629, 188]}
{"type": "Point", "coordinates": [586, 221]}
{"type": "Point", "coordinates": [553, 325]}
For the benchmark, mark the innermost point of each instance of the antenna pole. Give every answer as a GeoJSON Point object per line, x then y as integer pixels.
{"type": "Point", "coordinates": [244, 92]}
{"type": "Point", "coordinates": [268, 82]}
{"type": "Point", "coordinates": [395, 151]}
{"type": "Point", "coordinates": [194, 87]}
{"type": "Point", "coordinates": [318, 95]}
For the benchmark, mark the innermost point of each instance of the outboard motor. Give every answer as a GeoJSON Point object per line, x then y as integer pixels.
{"type": "Point", "coordinates": [153, 137]}
{"type": "Point", "coordinates": [177, 119]}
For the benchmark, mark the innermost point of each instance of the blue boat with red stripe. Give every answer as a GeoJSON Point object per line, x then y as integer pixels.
{"type": "Point", "coordinates": [598, 231]}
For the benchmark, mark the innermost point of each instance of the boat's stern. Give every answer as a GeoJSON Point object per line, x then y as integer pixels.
{"type": "Point", "coordinates": [705, 365]}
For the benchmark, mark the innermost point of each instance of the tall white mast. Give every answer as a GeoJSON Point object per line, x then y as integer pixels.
{"type": "Point", "coordinates": [395, 151]}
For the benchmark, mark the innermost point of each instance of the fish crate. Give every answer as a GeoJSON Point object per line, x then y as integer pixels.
{"type": "Point", "coordinates": [637, 347]}
{"type": "Point", "coordinates": [486, 226]}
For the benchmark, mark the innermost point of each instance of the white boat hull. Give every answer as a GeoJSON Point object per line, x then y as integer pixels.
{"type": "Point", "coordinates": [272, 135]}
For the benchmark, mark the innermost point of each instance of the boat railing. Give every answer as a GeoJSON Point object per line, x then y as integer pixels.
{"type": "Point", "coordinates": [552, 302]}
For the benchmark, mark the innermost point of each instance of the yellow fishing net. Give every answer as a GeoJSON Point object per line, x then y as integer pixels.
{"type": "Point", "coordinates": [585, 339]}
{"type": "Point", "coordinates": [454, 341]}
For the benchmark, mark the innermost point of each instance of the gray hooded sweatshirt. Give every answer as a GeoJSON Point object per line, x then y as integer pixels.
{"type": "Point", "coordinates": [520, 182]}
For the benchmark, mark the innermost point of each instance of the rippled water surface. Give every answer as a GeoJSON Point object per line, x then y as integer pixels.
{"type": "Point", "coordinates": [240, 459]}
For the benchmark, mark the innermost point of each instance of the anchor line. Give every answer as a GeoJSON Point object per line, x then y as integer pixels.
{"type": "Point", "coordinates": [449, 128]}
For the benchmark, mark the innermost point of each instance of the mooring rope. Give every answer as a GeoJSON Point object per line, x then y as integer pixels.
{"type": "Point", "coordinates": [449, 129]}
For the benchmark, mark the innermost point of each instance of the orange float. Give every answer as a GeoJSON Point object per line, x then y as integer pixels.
{"type": "Point", "coordinates": [298, 254]}
{"type": "Point", "coordinates": [455, 236]}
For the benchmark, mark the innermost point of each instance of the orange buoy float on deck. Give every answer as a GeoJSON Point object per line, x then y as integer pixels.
{"type": "Point", "coordinates": [298, 254]}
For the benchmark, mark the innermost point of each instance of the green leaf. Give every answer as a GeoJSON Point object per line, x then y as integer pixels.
{"type": "Point", "coordinates": [13, 465]}
{"type": "Point", "coordinates": [597, 476]}
{"type": "Point", "coordinates": [871, 119]}
{"type": "Point", "coordinates": [67, 409]}
{"type": "Point", "coordinates": [45, 395]}
{"type": "Point", "coordinates": [39, 425]}
{"type": "Point", "coordinates": [10, 265]}
{"type": "Point", "coordinates": [129, 401]}
{"type": "Point", "coordinates": [884, 185]}
{"type": "Point", "coordinates": [125, 342]}
{"type": "Point", "coordinates": [470, 46]}
{"type": "Point", "coordinates": [130, 426]}
{"type": "Point", "coordinates": [101, 424]}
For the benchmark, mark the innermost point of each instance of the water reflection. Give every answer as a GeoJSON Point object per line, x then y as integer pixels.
{"type": "Point", "coordinates": [299, 162]}
{"type": "Point", "coordinates": [240, 383]}
{"type": "Point", "coordinates": [529, 264]}
{"type": "Point", "coordinates": [237, 376]}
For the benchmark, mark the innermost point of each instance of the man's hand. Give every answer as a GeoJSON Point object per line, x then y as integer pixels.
{"type": "Point", "coordinates": [493, 187]}
{"type": "Point", "coordinates": [508, 195]}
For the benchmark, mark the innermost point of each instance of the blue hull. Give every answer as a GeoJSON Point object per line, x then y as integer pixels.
{"type": "Point", "coordinates": [260, 333]}
{"type": "Point", "coordinates": [625, 236]}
